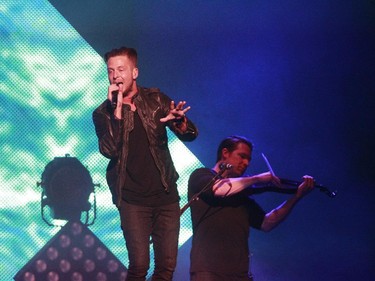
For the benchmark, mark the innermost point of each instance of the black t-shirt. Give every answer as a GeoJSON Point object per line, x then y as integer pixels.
{"type": "Point", "coordinates": [221, 227]}
{"type": "Point", "coordinates": [143, 184]}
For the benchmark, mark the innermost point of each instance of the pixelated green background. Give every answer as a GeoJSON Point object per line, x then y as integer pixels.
{"type": "Point", "coordinates": [51, 81]}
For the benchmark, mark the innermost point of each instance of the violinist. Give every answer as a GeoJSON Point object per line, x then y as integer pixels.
{"type": "Point", "coordinates": [224, 213]}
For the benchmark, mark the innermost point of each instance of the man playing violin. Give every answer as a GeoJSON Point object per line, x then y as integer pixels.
{"type": "Point", "coordinates": [224, 213]}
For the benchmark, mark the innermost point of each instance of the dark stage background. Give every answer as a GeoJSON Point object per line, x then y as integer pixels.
{"type": "Point", "coordinates": [296, 77]}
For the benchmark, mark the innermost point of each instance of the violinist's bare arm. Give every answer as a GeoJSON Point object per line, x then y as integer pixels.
{"type": "Point", "coordinates": [276, 216]}
{"type": "Point", "coordinates": [230, 186]}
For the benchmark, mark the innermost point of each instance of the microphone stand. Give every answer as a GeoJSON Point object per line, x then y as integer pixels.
{"type": "Point", "coordinates": [196, 195]}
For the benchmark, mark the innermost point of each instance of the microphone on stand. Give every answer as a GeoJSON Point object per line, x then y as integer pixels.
{"type": "Point", "coordinates": [225, 166]}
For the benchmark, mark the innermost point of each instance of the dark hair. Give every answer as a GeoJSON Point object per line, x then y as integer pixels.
{"type": "Point", "coordinates": [131, 53]}
{"type": "Point", "coordinates": [231, 144]}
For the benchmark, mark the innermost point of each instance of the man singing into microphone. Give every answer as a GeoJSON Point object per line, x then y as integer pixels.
{"type": "Point", "coordinates": [224, 213]}
{"type": "Point", "coordinates": [131, 128]}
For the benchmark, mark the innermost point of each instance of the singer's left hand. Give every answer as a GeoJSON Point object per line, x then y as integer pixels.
{"type": "Point", "coordinates": [176, 113]}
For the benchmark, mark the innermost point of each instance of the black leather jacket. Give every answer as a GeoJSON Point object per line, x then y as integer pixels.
{"type": "Point", "coordinates": [113, 136]}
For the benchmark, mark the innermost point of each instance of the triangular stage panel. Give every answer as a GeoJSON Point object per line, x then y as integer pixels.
{"type": "Point", "coordinates": [74, 253]}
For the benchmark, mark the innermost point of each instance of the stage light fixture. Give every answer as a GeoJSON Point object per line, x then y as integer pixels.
{"type": "Point", "coordinates": [67, 186]}
{"type": "Point", "coordinates": [73, 254]}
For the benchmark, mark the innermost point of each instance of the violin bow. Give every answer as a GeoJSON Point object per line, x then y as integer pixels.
{"type": "Point", "coordinates": [295, 183]}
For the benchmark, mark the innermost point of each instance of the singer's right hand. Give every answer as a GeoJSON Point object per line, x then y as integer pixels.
{"type": "Point", "coordinates": [115, 96]}
{"type": "Point", "coordinates": [114, 89]}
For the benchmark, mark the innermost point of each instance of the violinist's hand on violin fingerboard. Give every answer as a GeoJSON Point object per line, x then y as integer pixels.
{"type": "Point", "coordinates": [306, 186]}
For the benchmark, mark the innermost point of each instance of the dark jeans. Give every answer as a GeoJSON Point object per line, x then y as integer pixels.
{"type": "Point", "coordinates": [162, 224]}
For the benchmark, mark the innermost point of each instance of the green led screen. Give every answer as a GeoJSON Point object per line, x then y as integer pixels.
{"type": "Point", "coordinates": [50, 82]}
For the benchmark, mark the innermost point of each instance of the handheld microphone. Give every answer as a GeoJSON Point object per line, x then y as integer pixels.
{"type": "Point", "coordinates": [115, 95]}
{"type": "Point", "coordinates": [225, 166]}
{"type": "Point", "coordinates": [114, 99]}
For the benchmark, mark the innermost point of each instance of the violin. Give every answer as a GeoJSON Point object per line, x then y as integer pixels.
{"type": "Point", "coordinates": [292, 183]}
{"type": "Point", "coordinates": [288, 190]}
{"type": "Point", "coordinates": [319, 186]}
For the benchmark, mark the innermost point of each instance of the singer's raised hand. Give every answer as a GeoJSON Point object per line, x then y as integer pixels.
{"type": "Point", "coordinates": [177, 112]}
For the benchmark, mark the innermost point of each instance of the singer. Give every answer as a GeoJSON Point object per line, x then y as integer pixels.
{"type": "Point", "coordinates": [131, 129]}
{"type": "Point", "coordinates": [223, 216]}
